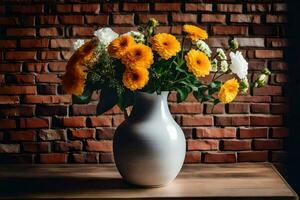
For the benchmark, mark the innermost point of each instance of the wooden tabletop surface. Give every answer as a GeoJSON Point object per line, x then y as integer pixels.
{"type": "Point", "coordinates": [213, 181]}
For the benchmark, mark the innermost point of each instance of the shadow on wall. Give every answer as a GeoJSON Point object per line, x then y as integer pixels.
{"type": "Point", "coordinates": [293, 56]}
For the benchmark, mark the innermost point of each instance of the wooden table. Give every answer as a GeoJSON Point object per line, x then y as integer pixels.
{"type": "Point", "coordinates": [214, 181]}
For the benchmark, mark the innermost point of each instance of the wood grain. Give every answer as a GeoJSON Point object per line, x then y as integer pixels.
{"type": "Point", "coordinates": [214, 181]}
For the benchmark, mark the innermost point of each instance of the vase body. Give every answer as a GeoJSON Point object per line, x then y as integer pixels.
{"type": "Point", "coordinates": [149, 146]}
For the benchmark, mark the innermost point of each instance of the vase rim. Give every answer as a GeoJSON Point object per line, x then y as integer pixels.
{"type": "Point", "coordinates": [155, 93]}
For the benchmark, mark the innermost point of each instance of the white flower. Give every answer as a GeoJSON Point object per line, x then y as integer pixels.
{"type": "Point", "coordinates": [77, 44]}
{"type": "Point", "coordinates": [224, 66]}
{"type": "Point", "coordinates": [106, 35]}
{"type": "Point", "coordinates": [138, 36]}
{"type": "Point", "coordinates": [214, 65]}
{"type": "Point", "coordinates": [239, 65]}
{"type": "Point", "coordinates": [221, 54]}
{"type": "Point", "coordinates": [202, 46]}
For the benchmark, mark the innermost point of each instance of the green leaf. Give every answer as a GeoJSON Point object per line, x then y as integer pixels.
{"type": "Point", "coordinates": [216, 101]}
{"type": "Point", "coordinates": [182, 94]}
{"type": "Point", "coordinates": [108, 99]}
{"type": "Point", "coordinates": [84, 98]}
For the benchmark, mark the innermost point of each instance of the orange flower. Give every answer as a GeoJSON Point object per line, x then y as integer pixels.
{"type": "Point", "coordinates": [195, 33]}
{"type": "Point", "coordinates": [135, 78]}
{"type": "Point", "coordinates": [138, 55]}
{"type": "Point", "coordinates": [74, 78]}
{"type": "Point", "coordinates": [166, 45]}
{"type": "Point", "coordinates": [197, 63]}
{"type": "Point", "coordinates": [118, 46]}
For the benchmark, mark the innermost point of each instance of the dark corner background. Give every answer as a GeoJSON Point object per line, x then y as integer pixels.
{"type": "Point", "coordinates": [293, 58]}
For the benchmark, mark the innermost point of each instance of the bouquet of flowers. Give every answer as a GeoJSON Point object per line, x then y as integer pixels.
{"type": "Point", "coordinates": [117, 66]}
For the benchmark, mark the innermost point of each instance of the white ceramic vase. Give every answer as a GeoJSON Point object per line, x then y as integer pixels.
{"type": "Point", "coordinates": [149, 147]}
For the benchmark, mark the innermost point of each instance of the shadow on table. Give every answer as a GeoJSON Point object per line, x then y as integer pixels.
{"type": "Point", "coordinates": [19, 187]}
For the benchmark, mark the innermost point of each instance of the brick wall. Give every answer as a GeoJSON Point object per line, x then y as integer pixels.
{"type": "Point", "coordinates": [39, 123]}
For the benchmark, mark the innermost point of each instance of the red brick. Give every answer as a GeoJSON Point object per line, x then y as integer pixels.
{"type": "Point", "coordinates": [10, 67]}
{"type": "Point", "coordinates": [57, 66]}
{"type": "Point", "coordinates": [270, 144]}
{"type": "Point", "coordinates": [101, 146]}
{"type": "Point", "coordinates": [21, 32]}
{"type": "Point", "coordinates": [192, 157]}
{"type": "Point", "coordinates": [213, 18]}
{"type": "Point", "coordinates": [9, 100]}
{"type": "Point", "coordinates": [53, 99]}
{"type": "Point", "coordinates": [52, 32]}
{"type": "Point", "coordinates": [176, 30]}
{"type": "Point", "coordinates": [20, 55]}
{"type": "Point", "coordinates": [35, 67]}
{"type": "Point", "coordinates": [253, 133]}
{"type": "Point", "coordinates": [85, 158]}
{"type": "Point", "coordinates": [74, 121]}
{"type": "Point", "coordinates": [87, 8]}
{"type": "Point", "coordinates": [278, 65]}
{"type": "Point", "coordinates": [100, 121]}
{"type": "Point", "coordinates": [230, 30]}
{"type": "Point", "coordinates": [281, 78]}
{"type": "Point", "coordinates": [260, 108]}
{"type": "Point", "coordinates": [106, 157]}
{"type": "Point", "coordinates": [279, 108]}
{"type": "Point", "coordinates": [253, 156]}
{"type": "Point", "coordinates": [28, 21]}
{"type": "Point", "coordinates": [47, 78]}
{"type": "Point", "coordinates": [7, 44]}
{"type": "Point", "coordinates": [126, 19]}
{"type": "Point", "coordinates": [266, 120]}
{"type": "Point", "coordinates": [236, 145]}
{"type": "Point", "coordinates": [83, 133]}
{"type": "Point", "coordinates": [276, 19]}
{"type": "Point", "coordinates": [50, 55]}
{"type": "Point", "coordinates": [280, 7]}
{"type": "Point", "coordinates": [217, 109]}
{"type": "Point", "coordinates": [202, 144]}
{"type": "Point", "coordinates": [64, 8]}
{"type": "Point", "coordinates": [268, 53]}
{"type": "Point", "coordinates": [265, 30]}
{"type": "Point", "coordinates": [82, 31]}
{"type": "Point", "coordinates": [195, 108]}
{"type": "Point", "coordinates": [21, 110]}
{"type": "Point", "coordinates": [167, 7]}
{"type": "Point", "coordinates": [9, 148]}
{"type": "Point", "coordinates": [9, 21]}
{"type": "Point", "coordinates": [118, 119]}
{"type": "Point", "coordinates": [242, 18]}
{"type": "Point", "coordinates": [279, 132]}
{"type": "Point", "coordinates": [61, 43]}
{"type": "Point", "coordinates": [236, 108]}
{"type": "Point", "coordinates": [136, 7]}
{"type": "Point", "coordinates": [51, 110]}
{"type": "Point", "coordinates": [18, 90]}
{"type": "Point", "coordinates": [88, 109]}
{"type": "Point", "coordinates": [110, 7]}
{"type": "Point", "coordinates": [34, 123]}
{"type": "Point", "coordinates": [197, 120]}
{"type": "Point", "coordinates": [105, 133]}
{"type": "Point", "coordinates": [7, 123]}
{"type": "Point", "coordinates": [68, 146]}
{"type": "Point", "coordinates": [26, 135]}
{"type": "Point", "coordinates": [50, 134]}
{"type": "Point", "coordinates": [216, 132]}
{"type": "Point", "coordinates": [28, 9]}
{"type": "Point", "coordinates": [253, 99]}
{"type": "Point", "coordinates": [232, 120]}
{"type": "Point", "coordinates": [33, 147]}
{"type": "Point", "coordinates": [268, 90]}
{"type": "Point", "coordinates": [67, 54]}
{"type": "Point", "coordinates": [71, 19]}
{"type": "Point", "coordinates": [34, 43]}
{"type": "Point", "coordinates": [186, 18]}
{"type": "Point", "coordinates": [49, 19]}
{"type": "Point", "coordinates": [259, 7]}
{"type": "Point", "coordinates": [99, 19]}
{"type": "Point", "coordinates": [53, 158]}
{"type": "Point", "coordinates": [219, 158]}
{"type": "Point", "coordinates": [232, 8]}
{"type": "Point", "coordinates": [161, 18]}
{"type": "Point", "coordinates": [198, 7]}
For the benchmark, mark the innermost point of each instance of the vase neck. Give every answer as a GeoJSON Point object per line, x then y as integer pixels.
{"type": "Point", "coordinates": [150, 106]}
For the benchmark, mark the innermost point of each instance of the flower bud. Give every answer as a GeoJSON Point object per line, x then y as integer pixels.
{"type": "Point", "coordinates": [202, 46]}
{"type": "Point", "coordinates": [153, 22]}
{"type": "Point", "coordinates": [221, 54]}
{"type": "Point", "coordinates": [233, 44]}
{"type": "Point", "coordinates": [224, 66]}
{"type": "Point", "coordinates": [261, 80]}
{"type": "Point", "coordinates": [214, 65]}
{"type": "Point", "coordinates": [266, 71]}
{"type": "Point", "coordinates": [244, 85]}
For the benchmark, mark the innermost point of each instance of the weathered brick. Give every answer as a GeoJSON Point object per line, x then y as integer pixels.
{"type": "Point", "coordinates": [197, 120]}
{"type": "Point", "coordinates": [167, 7]}
{"type": "Point", "coordinates": [216, 132]}
{"type": "Point", "coordinates": [192, 157]}
{"type": "Point", "coordinates": [53, 158]}
{"type": "Point", "coordinates": [219, 158]}
{"type": "Point", "coordinates": [101, 146]}
{"type": "Point", "coordinates": [202, 144]}
{"type": "Point", "coordinates": [236, 145]}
